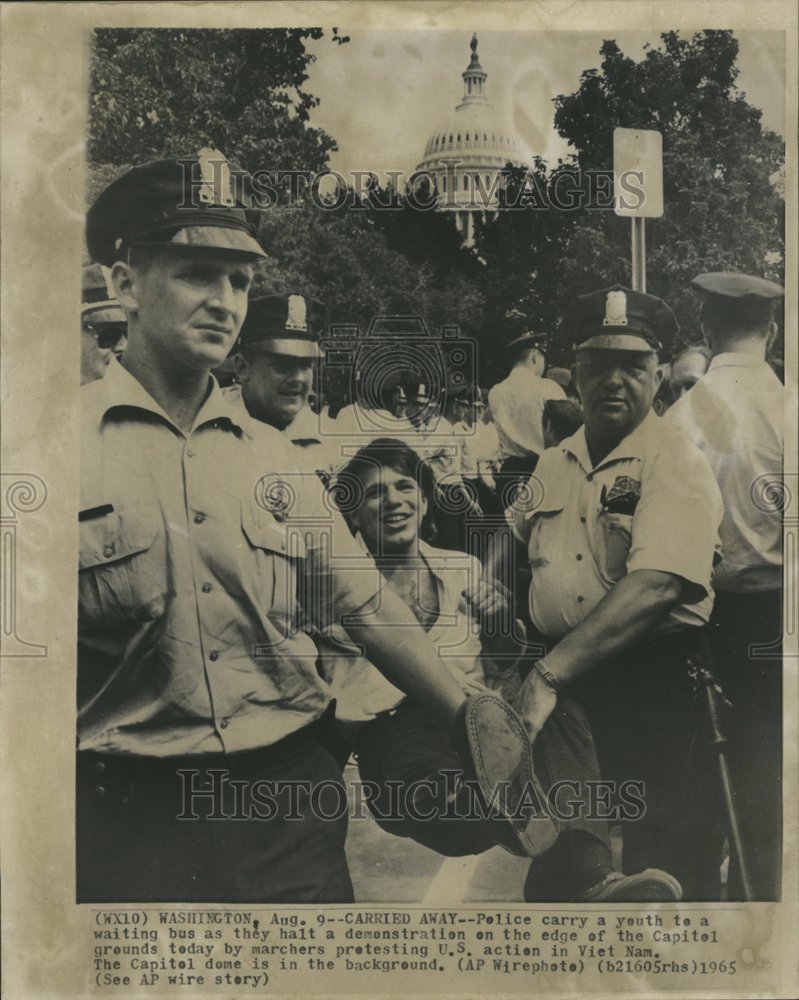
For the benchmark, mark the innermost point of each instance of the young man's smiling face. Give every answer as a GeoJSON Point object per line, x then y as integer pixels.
{"type": "Point", "coordinates": [390, 516]}
{"type": "Point", "coordinates": [187, 306]}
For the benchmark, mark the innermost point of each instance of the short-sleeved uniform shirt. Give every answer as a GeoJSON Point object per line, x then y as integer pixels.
{"type": "Point", "coordinates": [652, 503]}
{"type": "Point", "coordinates": [517, 406]}
{"type": "Point", "coordinates": [200, 554]}
{"type": "Point", "coordinates": [734, 415]}
{"type": "Point", "coordinates": [361, 691]}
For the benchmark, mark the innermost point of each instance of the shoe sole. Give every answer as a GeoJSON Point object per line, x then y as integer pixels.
{"type": "Point", "coordinates": [649, 886]}
{"type": "Point", "coordinates": [496, 735]}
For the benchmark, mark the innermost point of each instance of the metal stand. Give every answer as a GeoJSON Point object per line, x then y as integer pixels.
{"type": "Point", "coordinates": [638, 255]}
{"type": "Point", "coordinates": [710, 689]}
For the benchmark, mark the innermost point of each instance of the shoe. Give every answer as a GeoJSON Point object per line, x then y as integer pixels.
{"type": "Point", "coordinates": [494, 745]}
{"type": "Point", "coordinates": [648, 886]}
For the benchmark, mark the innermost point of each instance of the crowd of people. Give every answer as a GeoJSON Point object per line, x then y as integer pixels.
{"type": "Point", "coordinates": [492, 601]}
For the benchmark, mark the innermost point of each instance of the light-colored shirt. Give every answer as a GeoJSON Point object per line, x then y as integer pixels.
{"type": "Point", "coordinates": [517, 406]}
{"type": "Point", "coordinates": [321, 449]}
{"type": "Point", "coordinates": [360, 690]}
{"type": "Point", "coordinates": [484, 448]}
{"type": "Point", "coordinates": [652, 503]}
{"type": "Point", "coordinates": [316, 450]}
{"type": "Point", "coordinates": [192, 549]}
{"type": "Point", "coordinates": [735, 416]}
{"type": "Point", "coordinates": [362, 425]}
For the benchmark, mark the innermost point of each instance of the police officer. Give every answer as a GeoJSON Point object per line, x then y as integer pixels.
{"type": "Point", "coordinates": [274, 362]}
{"type": "Point", "coordinates": [734, 414]}
{"type": "Point", "coordinates": [102, 324]}
{"type": "Point", "coordinates": [517, 404]}
{"type": "Point", "coordinates": [198, 695]}
{"type": "Point", "coordinates": [621, 526]}
{"type": "Point", "coordinates": [399, 403]}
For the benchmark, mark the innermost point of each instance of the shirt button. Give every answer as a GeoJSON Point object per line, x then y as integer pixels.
{"type": "Point", "coordinates": [582, 520]}
{"type": "Point", "coordinates": [199, 518]}
{"type": "Point", "coordinates": [213, 655]}
{"type": "Point", "coordinates": [207, 588]}
{"type": "Point", "coordinates": [223, 724]}
{"type": "Point", "coordinates": [580, 600]}
{"type": "Point", "coordinates": [99, 792]}
{"type": "Point", "coordinates": [590, 477]}
{"type": "Point", "coordinates": [99, 767]}
{"type": "Point", "coordinates": [579, 557]}
{"type": "Point", "coordinates": [189, 453]}
{"type": "Point", "coordinates": [109, 550]}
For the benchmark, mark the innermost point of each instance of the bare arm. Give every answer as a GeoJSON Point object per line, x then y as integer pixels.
{"type": "Point", "coordinates": [637, 603]}
{"type": "Point", "coordinates": [398, 646]}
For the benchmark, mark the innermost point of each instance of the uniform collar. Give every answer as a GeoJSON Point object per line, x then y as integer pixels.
{"type": "Point", "coordinates": [304, 426]}
{"type": "Point", "coordinates": [118, 388]}
{"type": "Point", "coordinates": [524, 373]}
{"type": "Point", "coordinates": [634, 446]}
{"type": "Point", "coordinates": [733, 359]}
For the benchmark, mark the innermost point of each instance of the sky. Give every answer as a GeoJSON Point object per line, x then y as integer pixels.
{"type": "Point", "coordinates": [383, 93]}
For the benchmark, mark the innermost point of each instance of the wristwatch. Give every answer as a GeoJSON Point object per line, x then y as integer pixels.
{"type": "Point", "coordinates": [548, 676]}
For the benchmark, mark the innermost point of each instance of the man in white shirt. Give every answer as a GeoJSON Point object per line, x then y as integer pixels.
{"type": "Point", "coordinates": [193, 542]}
{"type": "Point", "coordinates": [274, 363]}
{"type": "Point", "coordinates": [616, 597]}
{"type": "Point", "coordinates": [517, 403]}
{"type": "Point", "coordinates": [734, 415]}
{"type": "Point", "coordinates": [413, 771]}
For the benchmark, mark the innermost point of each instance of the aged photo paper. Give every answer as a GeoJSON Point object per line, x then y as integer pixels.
{"type": "Point", "coordinates": [399, 571]}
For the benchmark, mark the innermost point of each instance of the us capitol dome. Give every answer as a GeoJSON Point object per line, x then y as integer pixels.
{"type": "Point", "coordinates": [466, 153]}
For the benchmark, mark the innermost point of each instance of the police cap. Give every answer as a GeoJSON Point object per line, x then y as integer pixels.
{"type": "Point", "coordinates": [620, 319]}
{"type": "Point", "coordinates": [190, 201]}
{"type": "Point", "coordinates": [529, 339]}
{"type": "Point", "coordinates": [733, 285]}
{"type": "Point", "coordinates": [99, 303]}
{"type": "Point", "coordinates": [284, 324]}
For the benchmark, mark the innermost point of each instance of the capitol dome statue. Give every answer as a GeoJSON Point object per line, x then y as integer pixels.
{"type": "Point", "coordinates": [465, 154]}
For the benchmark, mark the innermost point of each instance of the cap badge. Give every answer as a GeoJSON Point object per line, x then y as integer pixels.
{"type": "Point", "coordinates": [297, 314]}
{"type": "Point", "coordinates": [615, 309]}
{"type": "Point", "coordinates": [216, 186]}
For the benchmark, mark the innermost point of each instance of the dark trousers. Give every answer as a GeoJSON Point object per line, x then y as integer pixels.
{"type": "Point", "coordinates": [218, 833]}
{"type": "Point", "coordinates": [648, 728]}
{"type": "Point", "coordinates": [746, 638]}
{"type": "Point", "coordinates": [408, 746]}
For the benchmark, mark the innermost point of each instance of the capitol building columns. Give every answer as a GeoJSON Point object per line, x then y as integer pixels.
{"type": "Point", "coordinates": [466, 153]}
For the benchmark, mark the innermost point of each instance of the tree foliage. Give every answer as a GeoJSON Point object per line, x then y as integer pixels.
{"type": "Point", "coordinates": [164, 92]}
{"type": "Point", "coordinates": [724, 208]}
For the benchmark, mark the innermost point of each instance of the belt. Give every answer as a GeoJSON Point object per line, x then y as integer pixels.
{"type": "Point", "coordinates": [95, 762]}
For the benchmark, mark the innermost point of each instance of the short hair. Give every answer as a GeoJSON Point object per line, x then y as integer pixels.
{"type": "Point", "coordinates": [694, 348]}
{"type": "Point", "coordinates": [385, 453]}
{"type": "Point", "coordinates": [722, 314]}
{"type": "Point", "coordinates": [564, 416]}
{"type": "Point", "coordinates": [525, 353]}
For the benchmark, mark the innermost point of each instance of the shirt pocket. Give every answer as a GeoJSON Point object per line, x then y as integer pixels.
{"type": "Point", "coordinates": [616, 534]}
{"type": "Point", "coordinates": [544, 531]}
{"type": "Point", "coordinates": [122, 571]}
{"type": "Point", "coordinates": [278, 553]}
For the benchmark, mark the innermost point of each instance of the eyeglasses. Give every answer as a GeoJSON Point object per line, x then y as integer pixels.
{"type": "Point", "coordinates": [107, 335]}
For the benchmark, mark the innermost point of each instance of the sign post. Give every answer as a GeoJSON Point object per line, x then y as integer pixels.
{"type": "Point", "coordinates": [638, 189]}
